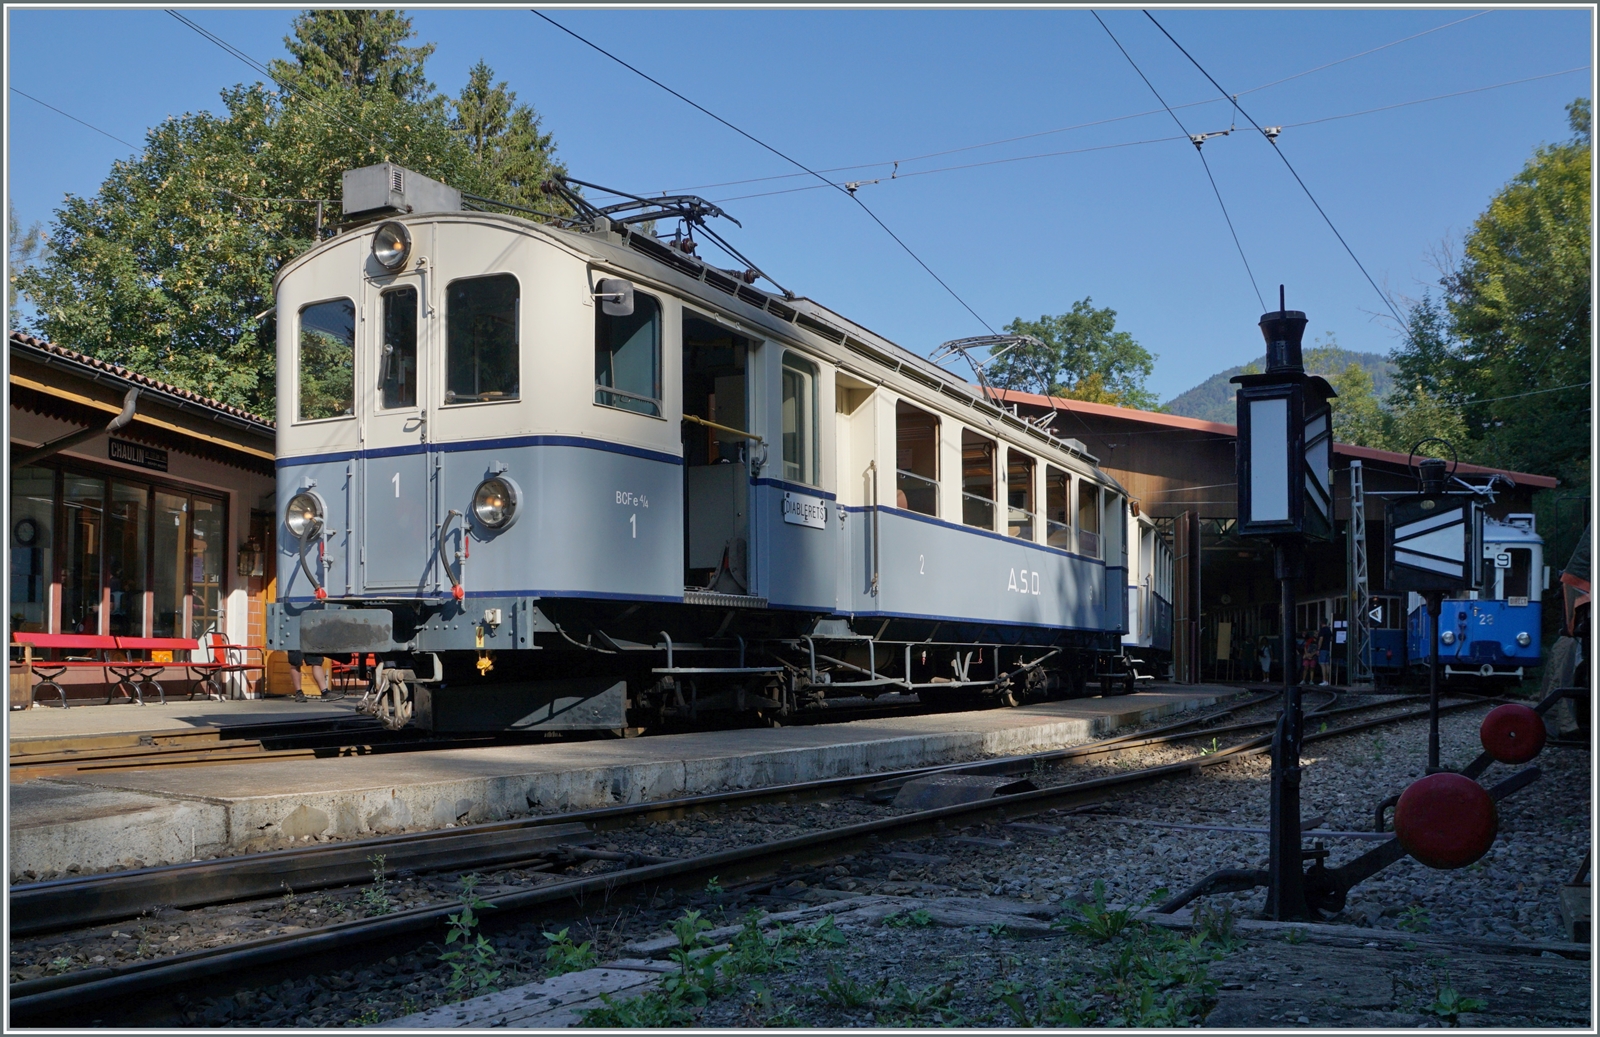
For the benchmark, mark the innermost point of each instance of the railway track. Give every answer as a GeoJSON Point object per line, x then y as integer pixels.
{"type": "Point", "coordinates": [142, 991]}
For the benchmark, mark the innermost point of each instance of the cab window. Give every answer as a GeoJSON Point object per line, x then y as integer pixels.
{"type": "Point", "coordinates": [799, 420]}
{"type": "Point", "coordinates": [481, 361]}
{"type": "Point", "coordinates": [627, 358]}
{"type": "Point", "coordinates": [327, 365]}
{"type": "Point", "coordinates": [397, 376]}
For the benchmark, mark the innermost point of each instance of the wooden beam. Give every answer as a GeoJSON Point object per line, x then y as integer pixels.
{"type": "Point", "coordinates": [112, 408]}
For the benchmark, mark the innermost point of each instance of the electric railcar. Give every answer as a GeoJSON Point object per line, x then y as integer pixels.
{"type": "Point", "coordinates": [581, 479]}
{"type": "Point", "coordinates": [1147, 645]}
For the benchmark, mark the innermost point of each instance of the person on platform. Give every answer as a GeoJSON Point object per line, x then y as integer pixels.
{"type": "Point", "coordinates": [1264, 659]}
{"type": "Point", "coordinates": [319, 674]}
{"type": "Point", "coordinates": [1325, 651]}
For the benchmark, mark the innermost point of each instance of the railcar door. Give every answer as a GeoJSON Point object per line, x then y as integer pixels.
{"type": "Point", "coordinates": [397, 512]}
{"type": "Point", "coordinates": [716, 364]}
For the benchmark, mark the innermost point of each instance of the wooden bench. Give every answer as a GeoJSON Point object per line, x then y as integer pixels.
{"type": "Point", "coordinates": [136, 673]}
{"type": "Point", "coordinates": [48, 670]}
{"type": "Point", "coordinates": [210, 673]}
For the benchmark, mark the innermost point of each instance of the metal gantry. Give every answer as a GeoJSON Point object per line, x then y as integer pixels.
{"type": "Point", "coordinates": [1360, 666]}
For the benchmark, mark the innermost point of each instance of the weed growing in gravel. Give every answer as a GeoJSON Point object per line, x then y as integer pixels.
{"type": "Point", "coordinates": [1095, 919]}
{"type": "Point", "coordinates": [1217, 926]}
{"type": "Point", "coordinates": [1207, 752]}
{"type": "Point", "coordinates": [1449, 1004]}
{"type": "Point", "coordinates": [563, 956]}
{"type": "Point", "coordinates": [844, 992]}
{"type": "Point", "coordinates": [472, 968]}
{"type": "Point", "coordinates": [713, 886]}
{"type": "Point", "coordinates": [1413, 919]}
{"type": "Point", "coordinates": [61, 964]}
{"type": "Point", "coordinates": [1296, 935]}
{"type": "Point", "coordinates": [375, 898]}
{"type": "Point", "coordinates": [370, 1017]}
{"type": "Point", "coordinates": [906, 919]}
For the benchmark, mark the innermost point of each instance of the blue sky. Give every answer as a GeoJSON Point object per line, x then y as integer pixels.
{"type": "Point", "coordinates": [1133, 225]}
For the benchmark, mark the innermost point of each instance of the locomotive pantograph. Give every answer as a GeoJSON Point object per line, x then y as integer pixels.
{"type": "Point", "coordinates": [567, 475]}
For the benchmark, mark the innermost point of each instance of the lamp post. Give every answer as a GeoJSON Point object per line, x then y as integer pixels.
{"type": "Point", "coordinates": [1284, 487]}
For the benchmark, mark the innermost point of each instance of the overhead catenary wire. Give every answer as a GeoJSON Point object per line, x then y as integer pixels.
{"type": "Point", "coordinates": [1199, 150]}
{"type": "Point", "coordinates": [1084, 125]}
{"type": "Point", "coordinates": [1287, 164]}
{"type": "Point", "coordinates": [75, 119]}
{"type": "Point", "coordinates": [795, 162]}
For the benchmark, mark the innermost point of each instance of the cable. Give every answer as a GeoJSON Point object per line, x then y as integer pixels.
{"type": "Point", "coordinates": [781, 155]}
{"type": "Point", "coordinates": [1197, 150]}
{"type": "Point", "coordinates": [77, 120]}
{"type": "Point", "coordinates": [258, 67]}
{"type": "Point", "coordinates": [1437, 97]}
{"type": "Point", "coordinates": [1396, 313]}
{"type": "Point", "coordinates": [1081, 125]}
{"type": "Point", "coordinates": [1520, 395]}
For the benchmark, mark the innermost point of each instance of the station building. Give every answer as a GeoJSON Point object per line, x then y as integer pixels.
{"type": "Point", "coordinates": [1180, 471]}
{"type": "Point", "coordinates": [159, 525]}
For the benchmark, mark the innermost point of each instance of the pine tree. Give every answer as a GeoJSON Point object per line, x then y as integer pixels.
{"type": "Point", "coordinates": [354, 50]}
{"type": "Point", "coordinates": [504, 139]}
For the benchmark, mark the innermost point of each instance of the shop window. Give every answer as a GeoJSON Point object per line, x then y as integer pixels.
{"type": "Point", "coordinates": [169, 558]}
{"type": "Point", "coordinates": [398, 369]}
{"type": "Point", "coordinates": [481, 361]}
{"type": "Point", "coordinates": [977, 480]}
{"type": "Point", "coordinates": [916, 460]}
{"type": "Point", "coordinates": [627, 358]}
{"type": "Point", "coordinates": [327, 360]}
{"type": "Point", "coordinates": [1020, 518]}
{"type": "Point", "coordinates": [83, 522]}
{"type": "Point", "coordinates": [1057, 505]}
{"type": "Point", "coordinates": [33, 494]}
{"type": "Point", "coordinates": [127, 532]}
{"type": "Point", "coordinates": [799, 420]}
{"type": "Point", "coordinates": [206, 553]}
{"type": "Point", "coordinates": [1088, 519]}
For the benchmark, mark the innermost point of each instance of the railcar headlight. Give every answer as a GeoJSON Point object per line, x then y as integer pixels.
{"type": "Point", "coordinates": [494, 503]}
{"type": "Point", "coordinates": [1524, 640]}
{"type": "Point", "coordinates": [1448, 637]}
{"type": "Point", "coordinates": [391, 245]}
{"type": "Point", "coordinates": [304, 515]}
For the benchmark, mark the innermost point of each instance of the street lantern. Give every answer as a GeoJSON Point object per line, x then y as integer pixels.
{"type": "Point", "coordinates": [1285, 439]}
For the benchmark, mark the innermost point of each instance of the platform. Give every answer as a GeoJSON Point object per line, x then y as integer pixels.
{"type": "Point", "coordinates": [155, 816]}
{"type": "Point", "coordinates": [176, 714]}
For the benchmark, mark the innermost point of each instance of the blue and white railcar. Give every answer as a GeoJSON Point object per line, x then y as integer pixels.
{"type": "Point", "coordinates": [578, 478]}
{"type": "Point", "coordinates": [1492, 634]}
{"type": "Point", "coordinates": [1148, 641]}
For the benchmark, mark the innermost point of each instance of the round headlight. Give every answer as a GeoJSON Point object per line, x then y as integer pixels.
{"type": "Point", "coordinates": [1448, 637]}
{"type": "Point", "coordinates": [391, 245]}
{"type": "Point", "coordinates": [495, 502]}
{"type": "Point", "coordinates": [304, 515]}
{"type": "Point", "coordinates": [1524, 640]}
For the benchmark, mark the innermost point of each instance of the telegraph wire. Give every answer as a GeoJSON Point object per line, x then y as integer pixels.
{"type": "Point", "coordinates": [75, 119]}
{"type": "Point", "coordinates": [786, 158]}
{"type": "Point", "coordinates": [1437, 97]}
{"type": "Point", "coordinates": [1198, 150]}
{"type": "Point", "coordinates": [1097, 122]}
{"type": "Point", "coordinates": [1290, 166]}
{"type": "Point", "coordinates": [258, 67]}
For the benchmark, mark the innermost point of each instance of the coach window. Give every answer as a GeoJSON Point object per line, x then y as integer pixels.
{"type": "Point", "coordinates": [916, 460]}
{"type": "Point", "coordinates": [977, 480]}
{"type": "Point", "coordinates": [327, 360]}
{"type": "Point", "coordinates": [627, 358]}
{"type": "Point", "coordinates": [398, 368]}
{"type": "Point", "coordinates": [1057, 516]}
{"type": "Point", "coordinates": [799, 419]}
{"type": "Point", "coordinates": [1019, 495]}
{"type": "Point", "coordinates": [482, 318]}
{"type": "Point", "coordinates": [1088, 519]}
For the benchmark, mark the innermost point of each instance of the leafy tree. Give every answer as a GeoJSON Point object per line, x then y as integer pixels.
{"type": "Point", "coordinates": [167, 266]}
{"type": "Point", "coordinates": [1083, 357]}
{"type": "Point", "coordinates": [1358, 417]}
{"type": "Point", "coordinates": [23, 248]}
{"type": "Point", "coordinates": [354, 50]}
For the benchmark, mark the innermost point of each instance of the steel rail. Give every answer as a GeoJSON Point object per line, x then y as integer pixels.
{"type": "Point", "coordinates": [74, 998]}
{"type": "Point", "coordinates": [58, 904]}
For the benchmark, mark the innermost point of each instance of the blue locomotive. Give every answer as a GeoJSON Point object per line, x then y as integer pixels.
{"type": "Point", "coordinates": [568, 475]}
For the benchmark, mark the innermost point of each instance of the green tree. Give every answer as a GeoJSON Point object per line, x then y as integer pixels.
{"type": "Point", "coordinates": [354, 50]}
{"type": "Point", "coordinates": [167, 266]}
{"type": "Point", "coordinates": [504, 139]}
{"type": "Point", "coordinates": [1358, 417]}
{"type": "Point", "coordinates": [1083, 356]}
{"type": "Point", "coordinates": [23, 249]}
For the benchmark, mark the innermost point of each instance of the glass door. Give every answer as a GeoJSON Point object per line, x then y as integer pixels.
{"type": "Point", "coordinates": [397, 512]}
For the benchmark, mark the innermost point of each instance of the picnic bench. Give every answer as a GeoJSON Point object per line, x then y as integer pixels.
{"type": "Point", "coordinates": [137, 665]}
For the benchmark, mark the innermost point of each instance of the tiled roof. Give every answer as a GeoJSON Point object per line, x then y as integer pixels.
{"type": "Point", "coordinates": [144, 381]}
{"type": "Point", "coordinates": [1174, 421]}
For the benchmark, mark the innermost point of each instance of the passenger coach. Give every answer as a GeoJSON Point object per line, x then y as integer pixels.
{"type": "Point", "coordinates": [578, 478]}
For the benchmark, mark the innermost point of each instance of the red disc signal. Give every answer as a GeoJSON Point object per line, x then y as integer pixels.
{"type": "Point", "coordinates": [1446, 820]}
{"type": "Point", "coordinates": [1512, 733]}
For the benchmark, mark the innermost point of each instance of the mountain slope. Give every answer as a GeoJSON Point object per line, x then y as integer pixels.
{"type": "Point", "coordinates": [1212, 399]}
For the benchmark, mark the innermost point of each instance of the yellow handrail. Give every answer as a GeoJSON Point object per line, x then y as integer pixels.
{"type": "Point", "coordinates": [695, 419]}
